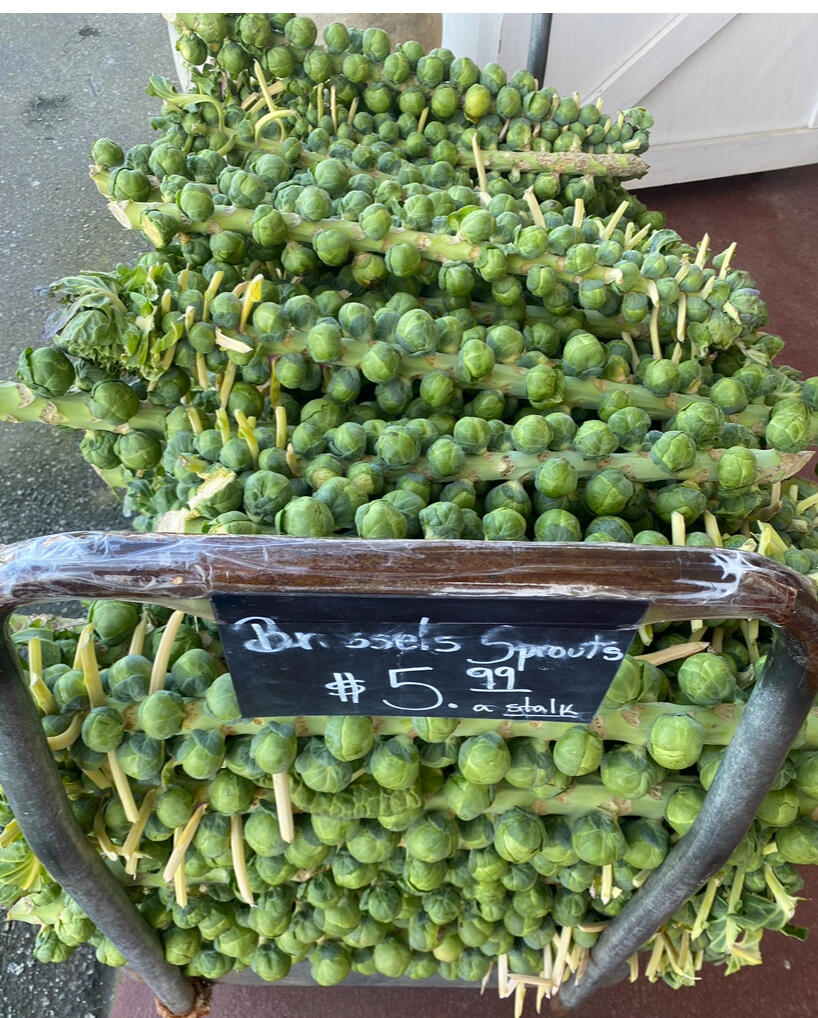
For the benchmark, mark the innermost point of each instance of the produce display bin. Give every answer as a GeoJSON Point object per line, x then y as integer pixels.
{"type": "Point", "coordinates": [677, 583]}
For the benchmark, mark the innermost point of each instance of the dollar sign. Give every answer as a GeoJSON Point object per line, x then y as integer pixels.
{"type": "Point", "coordinates": [346, 687]}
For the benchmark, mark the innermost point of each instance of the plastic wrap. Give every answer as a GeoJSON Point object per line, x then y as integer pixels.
{"type": "Point", "coordinates": [680, 584]}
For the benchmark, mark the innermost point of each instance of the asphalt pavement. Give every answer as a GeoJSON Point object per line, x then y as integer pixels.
{"type": "Point", "coordinates": [66, 79]}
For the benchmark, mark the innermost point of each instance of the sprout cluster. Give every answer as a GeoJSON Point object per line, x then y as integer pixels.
{"type": "Point", "coordinates": [419, 846]}
{"type": "Point", "coordinates": [394, 295]}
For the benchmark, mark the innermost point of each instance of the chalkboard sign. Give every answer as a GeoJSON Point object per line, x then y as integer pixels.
{"type": "Point", "coordinates": [510, 658]}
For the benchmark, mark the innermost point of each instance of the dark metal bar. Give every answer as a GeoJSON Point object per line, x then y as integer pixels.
{"type": "Point", "coordinates": [32, 785]}
{"type": "Point", "coordinates": [776, 709]}
{"type": "Point", "coordinates": [538, 47]}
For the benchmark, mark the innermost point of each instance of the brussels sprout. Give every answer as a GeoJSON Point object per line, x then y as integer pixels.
{"type": "Point", "coordinates": [46, 371]}
{"type": "Point", "coordinates": [305, 516]}
{"type": "Point", "coordinates": [193, 671]}
{"type": "Point", "coordinates": [262, 832]}
{"type": "Point", "coordinates": [578, 751]}
{"type": "Point", "coordinates": [627, 771]}
{"type": "Point", "coordinates": [348, 737]}
{"type": "Point", "coordinates": [518, 835]}
{"type": "Point", "coordinates": [102, 729]}
{"type": "Point", "coordinates": [484, 759]}
{"type": "Point", "coordinates": [798, 843]}
{"type": "Point", "coordinates": [138, 450]}
{"type": "Point", "coordinates": [736, 470]}
{"type": "Point", "coordinates": [707, 679]}
{"type": "Point", "coordinates": [675, 741]}
{"type": "Point", "coordinates": [201, 753]}
{"type": "Point", "coordinates": [129, 185]}
{"type": "Point", "coordinates": [648, 843]}
{"type": "Point", "coordinates": [140, 756]}
{"type": "Point", "coordinates": [161, 714]}
{"type": "Point", "coordinates": [394, 763]}
{"type": "Point", "coordinates": [380, 520]}
{"type": "Point", "coordinates": [432, 837]}
{"type": "Point", "coordinates": [113, 402]}
{"type": "Point", "coordinates": [320, 770]}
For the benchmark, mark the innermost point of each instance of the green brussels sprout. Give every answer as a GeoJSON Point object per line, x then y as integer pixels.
{"type": "Point", "coordinates": [673, 451]}
{"type": "Point", "coordinates": [129, 677]}
{"type": "Point", "coordinates": [737, 470]}
{"type": "Point", "coordinates": [305, 516]}
{"type": "Point", "coordinates": [174, 806]}
{"type": "Point", "coordinates": [262, 832]}
{"type": "Point", "coordinates": [201, 754]}
{"type": "Point", "coordinates": [707, 679]}
{"type": "Point", "coordinates": [432, 837]}
{"type": "Point", "coordinates": [779, 807]}
{"type": "Point", "coordinates": [380, 520]}
{"type": "Point", "coordinates": [595, 440]}
{"type": "Point", "coordinates": [466, 799]}
{"type": "Point", "coordinates": [578, 751]}
{"type": "Point", "coordinates": [504, 524]}
{"type": "Point", "coordinates": [138, 450]}
{"type": "Point", "coordinates": [102, 729]}
{"type": "Point", "coordinates": [416, 332]}
{"type": "Point", "coordinates": [532, 434]}
{"type": "Point", "coordinates": [161, 714]}
{"type": "Point", "coordinates": [607, 492]}
{"type": "Point", "coordinates": [597, 839]}
{"type": "Point", "coordinates": [518, 835]}
{"type": "Point", "coordinates": [675, 741]}
{"type": "Point", "coordinates": [46, 371]}
{"type": "Point", "coordinates": [140, 756]}
{"type": "Point", "coordinates": [129, 185]}
{"type": "Point", "coordinates": [320, 770]}
{"type": "Point", "coordinates": [99, 449]}
{"type": "Point", "coordinates": [701, 421]}
{"type": "Point", "coordinates": [627, 771]}
{"type": "Point", "coordinates": [113, 402]}
{"type": "Point", "coordinates": [394, 763]}
{"type": "Point", "coordinates": [113, 621]}
{"type": "Point", "coordinates": [647, 841]}
{"type": "Point", "coordinates": [231, 793]}
{"type": "Point", "coordinates": [348, 737]}
{"type": "Point", "coordinates": [798, 843]}
{"type": "Point", "coordinates": [484, 759]}
{"type": "Point", "coordinates": [266, 493]}
{"type": "Point", "coordinates": [682, 498]}
{"type": "Point", "coordinates": [391, 956]}
{"type": "Point", "coordinates": [107, 154]}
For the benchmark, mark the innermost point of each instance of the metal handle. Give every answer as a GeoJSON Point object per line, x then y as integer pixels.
{"type": "Point", "coordinates": [681, 584]}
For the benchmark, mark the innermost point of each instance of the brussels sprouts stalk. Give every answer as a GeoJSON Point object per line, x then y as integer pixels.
{"type": "Point", "coordinates": [86, 659]}
{"type": "Point", "coordinates": [18, 405]}
{"type": "Point", "coordinates": [123, 788]}
{"type": "Point", "coordinates": [106, 846]}
{"type": "Point", "coordinates": [675, 653]}
{"type": "Point", "coordinates": [129, 848]}
{"type": "Point", "coordinates": [39, 690]}
{"type": "Point", "coordinates": [160, 662]}
{"type": "Point", "coordinates": [628, 724]}
{"type": "Point", "coordinates": [284, 806]}
{"type": "Point", "coordinates": [638, 466]}
{"type": "Point", "coordinates": [69, 736]}
{"type": "Point", "coordinates": [138, 635]}
{"type": "Point", "coordinates": [239, 862]}
{"type": "Point", "coordinates": [706, 904]}
{"type": "Point", "coordinates": [182, 840]}
{"type": "Point", "coordinates": [179, 876]}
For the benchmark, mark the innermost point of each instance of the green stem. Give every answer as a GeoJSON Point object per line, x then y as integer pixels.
{"type": "Point", "coordinates": [18, 405]}
{"type": "Point", "coordinates": [628, 724]}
